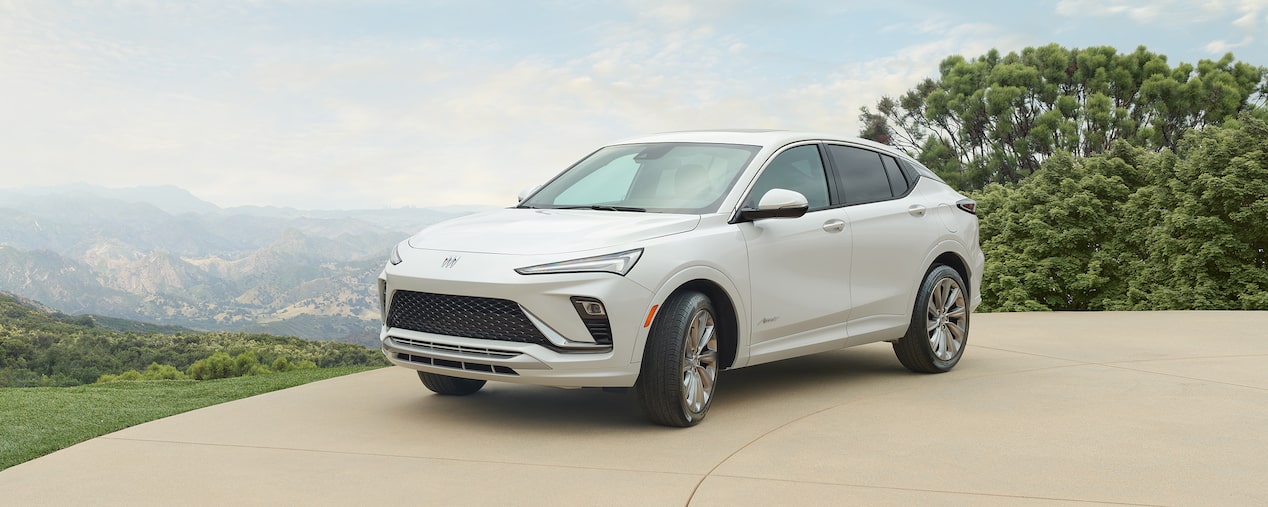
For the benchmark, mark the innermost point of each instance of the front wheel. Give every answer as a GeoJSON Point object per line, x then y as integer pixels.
{"type": "Point", "coordinates": [680, 362]}
{"type": "Point", "coordinates": [449, 386]}
{"type": "Point", "coordinates": [939, 327]}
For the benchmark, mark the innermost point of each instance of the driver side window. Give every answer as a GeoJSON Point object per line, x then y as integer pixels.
{"type": "Point", "coordinates": [798, 169]}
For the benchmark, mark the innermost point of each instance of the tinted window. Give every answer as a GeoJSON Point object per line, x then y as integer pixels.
{"type": "Point", "coordinates": [799, 169]}
{"type": "Point", "coordinates": [861, 174]}
{"type": "Point", "coordinates": [897, 183]}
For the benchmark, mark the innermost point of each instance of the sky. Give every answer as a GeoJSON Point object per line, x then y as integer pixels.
{"type": "Point", "coordinates": [369, 104]}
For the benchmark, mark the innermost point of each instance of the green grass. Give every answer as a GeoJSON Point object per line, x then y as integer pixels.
{"type": "Point", "coordinates": [35, 421]}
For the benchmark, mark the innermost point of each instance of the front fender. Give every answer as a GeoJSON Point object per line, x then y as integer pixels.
{"type": "Point", "coordinates": [675, 283]}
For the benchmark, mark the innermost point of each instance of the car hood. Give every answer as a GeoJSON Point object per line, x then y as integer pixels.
{"type": "Point", "coordinates": [547, 231]}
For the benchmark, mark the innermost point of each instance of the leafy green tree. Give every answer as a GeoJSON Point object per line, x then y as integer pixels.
{"type": "Point", "coordinates": [998, 118]}
{"type": "Point", "coordinates": [246, 364]}
{"type": "Point", "coordinates": [1201, 226]}
{"type": "Point", "coordinates": [1052, 242]}
{"type": "Point", "coordinates": [1135, 229]}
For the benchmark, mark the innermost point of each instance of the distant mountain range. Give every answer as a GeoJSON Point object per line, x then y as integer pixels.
{"type": "Point", "coordinates": [163, 256]}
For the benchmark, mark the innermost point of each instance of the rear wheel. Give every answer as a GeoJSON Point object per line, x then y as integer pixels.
{"type": "Point", "coordinates": [939, 327]}
{"type": "Point", "coordinates": [450, 386]}
{"type": "Point", "coordinates": [680, 362]}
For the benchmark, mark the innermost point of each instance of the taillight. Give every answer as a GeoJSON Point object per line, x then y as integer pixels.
{"type": "Point", "coordinates": [968, 205]}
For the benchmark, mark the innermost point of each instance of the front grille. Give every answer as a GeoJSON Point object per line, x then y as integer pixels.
{"type": "Point", "coordinates": [472, 317]}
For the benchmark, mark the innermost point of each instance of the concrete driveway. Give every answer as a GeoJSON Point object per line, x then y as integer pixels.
{"type": "Point", "coordinates": [1166, 408]}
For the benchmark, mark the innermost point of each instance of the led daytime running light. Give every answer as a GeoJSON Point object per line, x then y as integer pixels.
{"type": "Point", "coordinates": [619, 263]}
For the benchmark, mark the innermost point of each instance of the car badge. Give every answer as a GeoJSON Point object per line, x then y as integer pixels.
{"type": "Point", "coordinates": [449, 261]}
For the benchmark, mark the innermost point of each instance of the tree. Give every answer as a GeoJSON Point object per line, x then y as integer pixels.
{"type": "Point", "coordinates": [1200, 225]}
{"type": "Point", "coordinates": [998, 118]}
{"type": "Point", "coordinates": [1135, 229]}
{"type": "Point", "coordinates": [1052, 242]}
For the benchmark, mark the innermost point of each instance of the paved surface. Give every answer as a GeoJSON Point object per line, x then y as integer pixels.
{"type": "Point", "coordinates": [1165, 408]}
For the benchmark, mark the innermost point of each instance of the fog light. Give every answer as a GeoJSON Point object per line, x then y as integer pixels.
{"type": "Point", "coordinates": [595, 317]}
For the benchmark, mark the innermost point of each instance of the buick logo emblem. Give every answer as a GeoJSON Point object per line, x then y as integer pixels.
{"type": "Point", "coordinates": [449, 261]}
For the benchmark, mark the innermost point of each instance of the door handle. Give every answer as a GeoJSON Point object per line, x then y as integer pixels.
{"type": "Point", "coordinates": [916, 210]}
{"type": "Point", "coordinates": [834, 225]}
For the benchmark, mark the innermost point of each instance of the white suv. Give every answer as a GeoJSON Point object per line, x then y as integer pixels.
{"type": "Point", "coordinates": [657, 262]}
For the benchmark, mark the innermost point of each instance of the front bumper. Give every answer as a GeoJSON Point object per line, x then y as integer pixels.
{"type": "Point", "coordinates": [547, 302]}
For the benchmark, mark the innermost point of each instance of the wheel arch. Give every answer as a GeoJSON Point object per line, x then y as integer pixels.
{"type": "Point", "coordinates": [727, 318]}
{"type": "Point", "coordinates": [954, 261]}
{"type": "Point", "coordinates": [948, 254]}
{"type": "Point", "coordinates": [721, 293]}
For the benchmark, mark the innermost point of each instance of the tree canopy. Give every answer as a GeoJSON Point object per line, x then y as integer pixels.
{"type": "Point", "coordinates": [998, 118]}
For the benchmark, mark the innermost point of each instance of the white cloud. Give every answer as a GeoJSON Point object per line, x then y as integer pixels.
{"type": "Point", "coordinates": [1220, 47]}
{"type": "Point", "coordinates": [1175, 12]}
{"type": "Point", "coordinates": [864, 83]}
{"type": "Point", "coordinates": [239, 110]}
{"type": "Point", "coordinates": [1142, 11]}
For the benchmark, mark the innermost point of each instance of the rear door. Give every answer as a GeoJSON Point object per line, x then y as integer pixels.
{"type": "Point", "coordinates": [893, 232]}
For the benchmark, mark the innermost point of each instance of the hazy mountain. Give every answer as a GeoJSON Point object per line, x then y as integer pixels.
{"type": "Point", "coordinates": [172, 200]}
{"type": "Point", "coordinates": [161, 255]}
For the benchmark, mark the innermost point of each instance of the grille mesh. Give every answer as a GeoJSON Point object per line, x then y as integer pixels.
{"type": "Point", "coordinates": [472, 317]}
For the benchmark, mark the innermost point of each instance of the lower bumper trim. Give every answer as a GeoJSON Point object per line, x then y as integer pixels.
{"type": "Point", "coordinates": [456, 365]}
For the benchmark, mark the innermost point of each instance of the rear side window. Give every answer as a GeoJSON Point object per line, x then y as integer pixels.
{"type": "Point", "coordinates": [897, 182]}
{"type": "Point", "coordinates": [861, 175]}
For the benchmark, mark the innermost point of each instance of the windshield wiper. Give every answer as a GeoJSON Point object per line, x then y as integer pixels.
{"type": "Point", "coordinates": [604, 207]}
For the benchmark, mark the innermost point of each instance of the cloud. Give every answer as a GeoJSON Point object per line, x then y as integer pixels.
{"type": "Point", "coordinates": [1171, 12]}
{"type": "Point", "coordinates": [397, 109]}
{"type": "Point", "coordinates": [1244, 13]}
{"type": "Point", "coordinates": [266, 117]}
{"type": "Point", "coordinates": [1220, 47]}
{"type": "Point", "coordinates": [863, 83]}
{"type": "Point", "coordinates": [1139, 11]}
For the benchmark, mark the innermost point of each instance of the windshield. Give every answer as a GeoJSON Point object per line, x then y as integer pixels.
{"type": "Point", "coordinates": [655, 177]}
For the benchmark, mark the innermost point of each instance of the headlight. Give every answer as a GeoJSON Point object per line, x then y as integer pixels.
{"type": "Point", "coordinates": [619, 263]}
{"type": "Point", "coordinates": [395, 256]}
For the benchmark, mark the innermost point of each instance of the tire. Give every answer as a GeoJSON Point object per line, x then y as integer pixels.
{"type": "Point", "coordinates": [939, 328]}
{"type": "Point", "coordinates": [449, 386]}
{"type": "Point", "coordinates": [680, 362]}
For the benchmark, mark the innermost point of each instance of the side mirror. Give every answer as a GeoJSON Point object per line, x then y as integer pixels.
{"type": "Point", "coordinates": [777, 203]}
{"type": "Point", "coordinates": [526, 193]}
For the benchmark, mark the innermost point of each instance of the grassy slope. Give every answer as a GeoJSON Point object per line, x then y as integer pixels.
{"type": "Point", "coordinates": [35, 421]}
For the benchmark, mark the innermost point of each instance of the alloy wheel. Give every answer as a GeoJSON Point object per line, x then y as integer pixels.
{"type": "Point", "coordinates": [700, 364]}
{"type": "Point", "coordinates": [946, 319]}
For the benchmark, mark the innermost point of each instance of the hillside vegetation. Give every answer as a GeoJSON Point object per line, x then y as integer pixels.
{"type": "Point", "coordinates": [43, 348]}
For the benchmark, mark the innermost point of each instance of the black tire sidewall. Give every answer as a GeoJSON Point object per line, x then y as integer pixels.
{"type": "Point", "coordinates": [663, 357]}
{"type": "Point", "coordinates": [449, 386]}
{"type": "Point", "coordinates": [917, 339]}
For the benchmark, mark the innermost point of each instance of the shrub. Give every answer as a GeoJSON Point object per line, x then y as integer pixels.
{"type": "Point", "coordinates": [219, 365]}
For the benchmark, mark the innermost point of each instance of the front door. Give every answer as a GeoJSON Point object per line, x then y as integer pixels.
{"type": "Point", "coordinates": [799, 268]}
